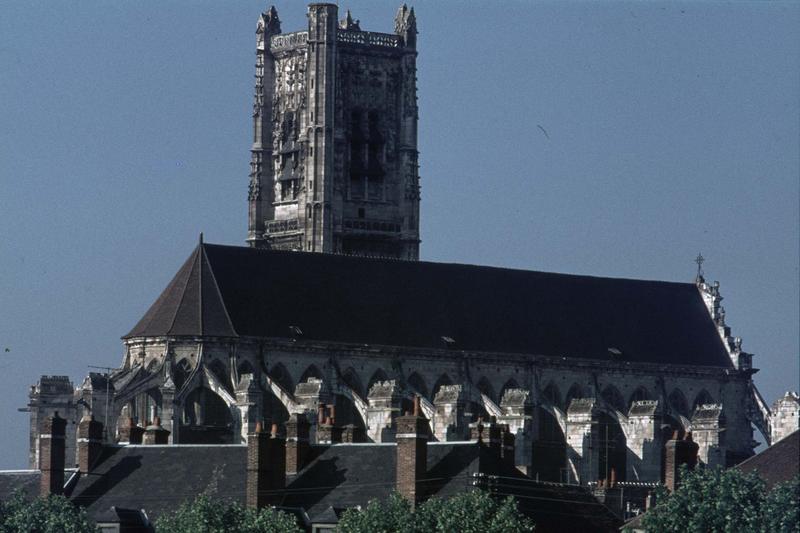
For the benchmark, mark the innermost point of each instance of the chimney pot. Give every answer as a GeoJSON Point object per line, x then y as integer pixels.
{"type": "Point", "coordinates": [266, 468]}
{"type": "Point", "coordinates": [155, 434]}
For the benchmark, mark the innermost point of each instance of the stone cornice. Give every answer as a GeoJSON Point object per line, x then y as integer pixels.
{"type": "Point", "coordinates": [529, 361]}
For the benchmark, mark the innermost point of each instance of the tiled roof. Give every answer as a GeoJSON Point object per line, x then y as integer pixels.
{"type": "Point", "coordinates": [230, 291]}
{"type": "Point", "coordinates": [778, 463]}
{"type": "Point", "coordinates": [25, 480]}
{"type": "Point", "coordinates": [190, 305]}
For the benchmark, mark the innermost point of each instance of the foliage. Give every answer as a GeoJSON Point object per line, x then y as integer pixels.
{"type": "Point", "coordinates": [207, 515]}
{"type": "Point", "coordinates": [388, 516]}
{"type": "Point", "coordinates": [782, 507]}
{"type": "Point", "coordinates": [53, 514]}
{"type": "Point", "coordinates": [471, 512]}
{"type": "Point", "coordinates": [717, 500]}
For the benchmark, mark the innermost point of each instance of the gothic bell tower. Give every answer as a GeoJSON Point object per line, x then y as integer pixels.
{"type": "Point", "coordinates": [334, 164]}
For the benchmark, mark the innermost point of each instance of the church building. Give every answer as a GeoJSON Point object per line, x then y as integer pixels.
{"type": "Point", "coordinates": [327, 320]}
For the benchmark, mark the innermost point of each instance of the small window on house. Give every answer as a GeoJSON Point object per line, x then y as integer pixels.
{"type": "Point", "coordinates": [361, 212]}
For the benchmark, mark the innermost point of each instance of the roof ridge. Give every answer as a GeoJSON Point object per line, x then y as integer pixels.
{"type": "Point", "coordinates": [785, 441]}
{"type": "Point", "coordinates": [201, 251]}
{"type": "Point", "coordinates": [183, 295]}
{"type": "Point", "coordinates": [216, 287]}
{"type": "Point", "coordinates": [349, 257]}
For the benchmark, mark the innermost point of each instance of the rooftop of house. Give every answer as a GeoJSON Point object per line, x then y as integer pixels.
{"type": "Point", "coordinates": [233, 291]}
{"type": "Point", "coordinates": [158, 478]}
{"type": "Point", "coordinates": [776, 464]}
{"type": "Point", "coordinates": [26, 481]}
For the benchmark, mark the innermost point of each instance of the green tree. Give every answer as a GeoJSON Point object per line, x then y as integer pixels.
{"type": "Point", "coordinates": [781, 508]}
{"type": "Point", "coordinates": [380, 516]}
{"type": "Point", "coordinates": [471, 512]}
{"type": "Point", "coordinates": [53, 514]}
{"type": "Point", "coordinates": [207, 515]}
{"type": "Point", "coordinates": [717, 500]}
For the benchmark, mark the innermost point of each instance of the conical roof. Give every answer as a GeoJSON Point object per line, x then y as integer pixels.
{"type": "Point", "coordinates": [190, 305]}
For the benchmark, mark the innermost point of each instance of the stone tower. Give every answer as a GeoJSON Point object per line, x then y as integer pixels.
{"type": "Point", "coordinates": [785, 418]}
{"type": "Point", "coordinates": [334, 159]}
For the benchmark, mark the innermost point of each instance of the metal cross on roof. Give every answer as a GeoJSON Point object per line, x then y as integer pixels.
{"type": "Point", "coordinates": [699, 260]}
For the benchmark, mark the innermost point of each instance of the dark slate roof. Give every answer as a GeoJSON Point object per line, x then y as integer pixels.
{"type": "Point", "coordinates": [778, 463]}
{"type": "Point", "coordinates": [351, 475]}
{"type": "Point", "coordinates": [229, 291]}
{"type": "Point", "coordinates": [159, 478]}
{"type": "Point", "coordinates": [128, 517]}
{"type": "Point", "coordinates": [343, 476]}
{"type": "Point", "coordinates": [25, 480]}
{"type": "Point", "coordinates": [190, 305]}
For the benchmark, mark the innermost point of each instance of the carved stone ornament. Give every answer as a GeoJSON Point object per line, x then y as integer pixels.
{"type": "Point", "coordinates": [710, 412]}
{"type": "Point", "coordinates": [348, 23]}
{"type": "Point", "coordinates": [312, 387]}
{"type": "Point", "coordinates": [269, 22]}
{"type": "Point", "coordinates": [643, 408]}
{"type": "Point", "coordinates": [383, 389]}
{"type": "Point", "coordinates": [405, 21]}
{"type": "Point", "coordinates": [515, 398]}
{"type": "Point", "coordinates": [448, 394]}
{"type": "Point", "coordinates": [581, 405]}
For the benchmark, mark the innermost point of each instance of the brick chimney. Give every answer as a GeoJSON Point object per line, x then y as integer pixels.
{"type": "Point", "coordinates": [352, 433]}
{"type": "Point", "coordinates": [297, 443]}
{"type": "Point", "coordinates": [412, 454]}
{"type": "Point", "coordinates": [477, 432]}
{"type": "Point", "coordinates": [495, 438]}
{"type": "Point", "coordinates": [155, 434]}
{"type": "Point", "coordinates": [327, 430]}
{"type": "Point", "coordinates": [487, 433]}
{"type": "Point", "coordinates": [90, 443]}
{"type": "Point", "coordinates": [679, 451]}
{"type": "Point", "coordinates": [266, 467]}
{"type": "Point", "coordinates": [508, 449]}
{"type": "Point", "coordinates": [489, 438]}
{"type": "Point", "coordinates": [130, 432]}
{"type": "Point", "coordinates": [52, 455]}
{"type": "Point", "coordinates": [136, 433]}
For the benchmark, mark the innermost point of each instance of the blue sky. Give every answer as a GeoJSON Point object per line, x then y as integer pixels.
{"type": "Point", "coordinates": [671, 128]}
